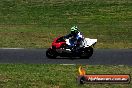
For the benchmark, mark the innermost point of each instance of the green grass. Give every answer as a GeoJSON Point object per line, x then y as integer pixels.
{"type": "Point", "coordinates": [34, 24]}
{"type": "Point", "coordinates": [55, 76]}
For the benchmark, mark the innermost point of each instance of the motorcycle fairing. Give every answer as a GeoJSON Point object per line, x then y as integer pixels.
{"type": "Point", "coordinates": [88, 42]}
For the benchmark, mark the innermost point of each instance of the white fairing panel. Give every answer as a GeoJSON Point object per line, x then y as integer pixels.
{"type": "Point", "coordinates": [86, 43]}
{"type": "Point", "coordinates": [89, 42]}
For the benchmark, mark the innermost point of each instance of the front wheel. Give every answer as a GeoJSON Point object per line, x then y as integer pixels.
{"type": "Point", "coordinates": [50, 53]}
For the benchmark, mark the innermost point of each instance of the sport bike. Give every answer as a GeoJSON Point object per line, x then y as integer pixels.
{"type": "Point", "coordinates": [60, 47]}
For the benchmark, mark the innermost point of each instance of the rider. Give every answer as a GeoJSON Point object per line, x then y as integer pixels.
{"type": "Point", "coordinates": [75, 36]}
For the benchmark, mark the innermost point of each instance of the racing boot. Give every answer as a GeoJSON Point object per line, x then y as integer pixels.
{"type": "Point", "coordinates": [73, 49]}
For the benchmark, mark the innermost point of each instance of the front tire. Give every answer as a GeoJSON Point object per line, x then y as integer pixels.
{"type": "Point", "coordinates": [50, 53]}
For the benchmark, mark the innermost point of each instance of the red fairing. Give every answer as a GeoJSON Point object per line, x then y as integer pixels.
{"type": "Point", "coordinates": [57, 44]}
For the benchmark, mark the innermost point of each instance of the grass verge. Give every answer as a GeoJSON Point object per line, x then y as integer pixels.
{"type": "Point", "coordinates": [42, 37]}
{"type": "Point", "coordinates": [55, 76]}
{"type": "Point", "coordinates": [34, 24]}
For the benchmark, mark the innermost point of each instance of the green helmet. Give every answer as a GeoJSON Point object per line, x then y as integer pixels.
{"type": "Point", "coordinates": [74, 30]}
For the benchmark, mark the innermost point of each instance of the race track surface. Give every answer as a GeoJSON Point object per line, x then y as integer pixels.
{"type": "Point", "coordinates": [37, 56]}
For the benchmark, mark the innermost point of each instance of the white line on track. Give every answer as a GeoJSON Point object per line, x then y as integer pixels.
{"type": "Point", "coordinates": [12, 48]}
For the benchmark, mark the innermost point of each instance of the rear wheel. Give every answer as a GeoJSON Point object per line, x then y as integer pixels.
{"type": "Point", "coordinates": [87, 52]}
{"type": "Point", "coordinates": [50, 53]}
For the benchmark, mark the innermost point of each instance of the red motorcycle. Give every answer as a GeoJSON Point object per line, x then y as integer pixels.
{"type": "Point", "coordinates": [60, 47]}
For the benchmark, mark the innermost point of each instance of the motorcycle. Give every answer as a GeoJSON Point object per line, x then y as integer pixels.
{"type": "Point", "coordinates": [60, 47]}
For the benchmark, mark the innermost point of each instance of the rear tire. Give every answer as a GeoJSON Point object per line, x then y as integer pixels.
{"type": "Point", "coordinates": [50, 53]}
{"type": "Point", "coordinates": [88, 52]}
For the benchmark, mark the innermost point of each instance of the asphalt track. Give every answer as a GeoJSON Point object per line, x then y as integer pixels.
{"type": "Point", "coordinates": [37, 56]}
